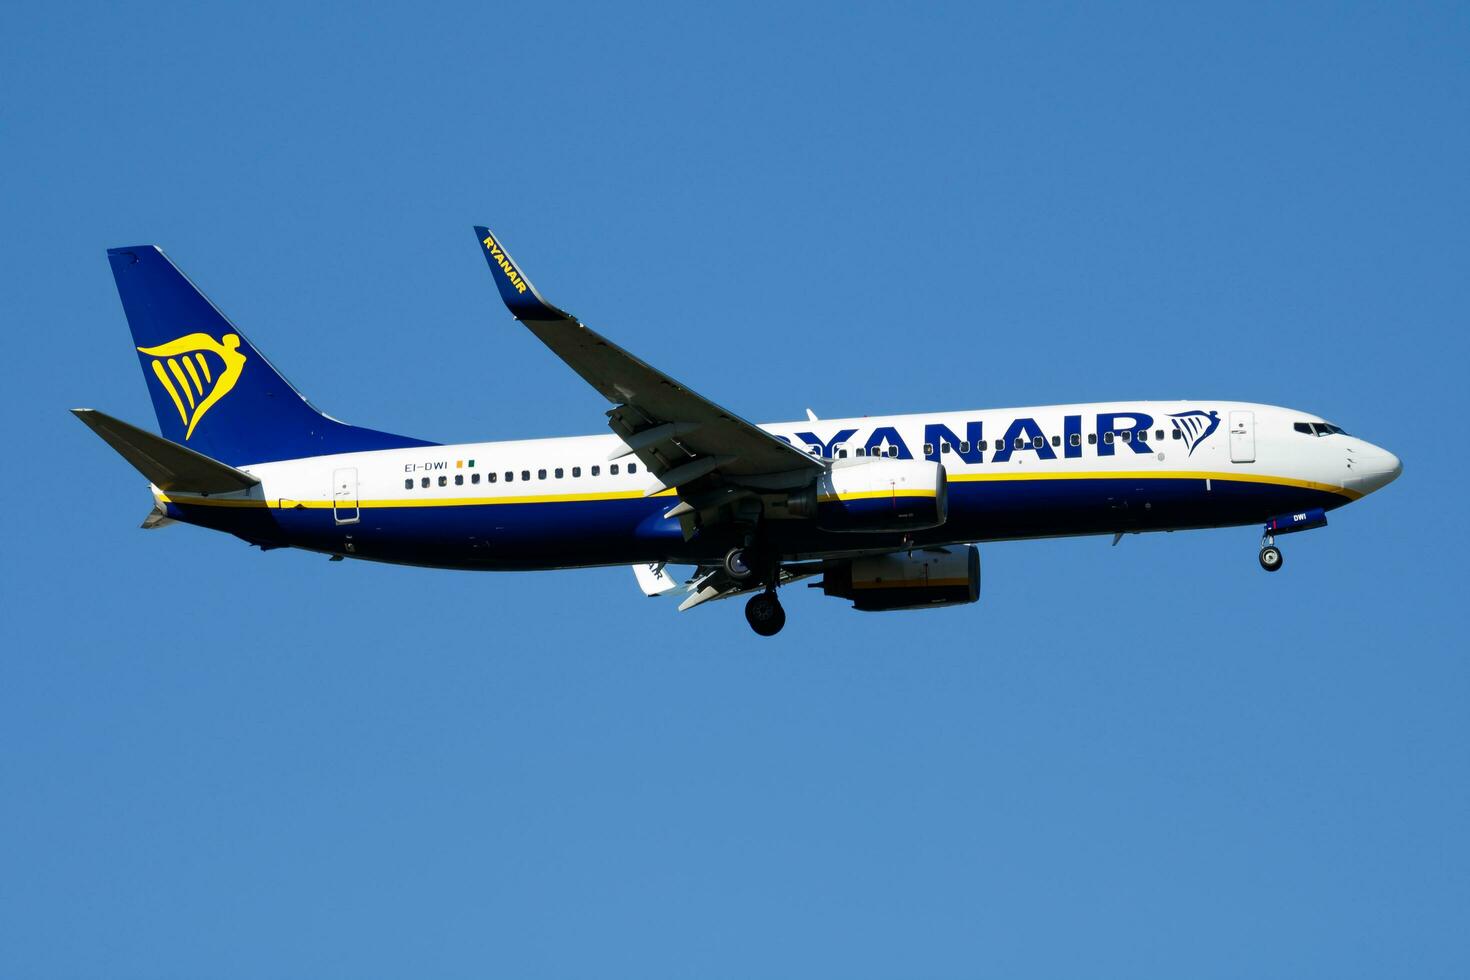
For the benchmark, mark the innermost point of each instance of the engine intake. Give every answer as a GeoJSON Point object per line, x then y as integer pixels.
{"type": "Point", "coordinates": [932, 577]}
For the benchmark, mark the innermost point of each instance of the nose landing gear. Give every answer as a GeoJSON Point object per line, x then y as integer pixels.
{"type": "Point", "coordinates": [1285, 525]}
{"type": "Point", "coordinates": [1270, 554]}
{"type": "Point", "coordinates": [1304, 520]}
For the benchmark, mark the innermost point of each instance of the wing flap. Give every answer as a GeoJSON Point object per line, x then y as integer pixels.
{"type": "Point", "coordinates": [711, 582]}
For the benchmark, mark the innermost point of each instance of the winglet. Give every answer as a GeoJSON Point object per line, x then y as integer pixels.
{"type": "Point", "coordinates": [520, 297]}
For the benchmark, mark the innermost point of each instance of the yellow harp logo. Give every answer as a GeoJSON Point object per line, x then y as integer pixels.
{"type": "Point", "coordinates": [186, 374]}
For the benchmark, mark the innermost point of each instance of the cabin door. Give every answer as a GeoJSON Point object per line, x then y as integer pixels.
{"type": "Point", "coordinates": [344, 495]}
{"type": "Point", "coordinates": [1242, 437]}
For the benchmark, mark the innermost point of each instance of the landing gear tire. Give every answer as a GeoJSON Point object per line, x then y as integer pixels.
{"type": "Point", "coordinates": [764, 614]}
{"type": "Point", "coordinates": [1271, 558]}
{"type": "Point", "coordinates": [738, 564]}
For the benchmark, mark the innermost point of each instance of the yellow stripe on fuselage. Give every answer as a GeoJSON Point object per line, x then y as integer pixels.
{"type": "Point", "coordinates": [287, 503]}
{"type": "Point", "coordinates": [572, 498]}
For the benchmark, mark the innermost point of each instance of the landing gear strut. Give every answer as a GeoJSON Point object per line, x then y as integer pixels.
{"type": "Point", "coordinates": [743, 564]}
{"type": "Point", "coordinates": [764, 613]}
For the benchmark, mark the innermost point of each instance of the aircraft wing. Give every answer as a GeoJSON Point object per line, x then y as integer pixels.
{"type": "Point", "coordinates": [680, 436]}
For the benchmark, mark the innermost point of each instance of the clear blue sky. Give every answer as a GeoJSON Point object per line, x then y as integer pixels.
{"type": "Point", "coordinates": [1145, 761]}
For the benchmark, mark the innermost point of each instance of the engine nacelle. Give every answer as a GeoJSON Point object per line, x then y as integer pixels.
{"type": "Point", "coordinates": [932, 577]}
{"type": "Point", "coordinates": [881, 494]}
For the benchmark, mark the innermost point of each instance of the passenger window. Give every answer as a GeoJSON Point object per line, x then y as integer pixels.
{"type": "Point", "coordinates": [1126, 436]}
{"type": "Point", "coordinates": [1056, 440]}
{"type": "Point", "coordinates": [945, 447]}
{"type": "Point", "coordinates": [1158, 435]}
{"type": "Point", "coordinates": [559, 472]}
{"type": "Point", "coordinates": [842, 454]}
{"type": "Point", "coordinates": [459, 479]}
{"type": "Point", "coordinates": [965, 446]}
{"type": "Point", "coordinates": [632, 467]}
{"type": "Point", "coordinates": [408, 484]}
{"type": "Point", "coordinates": [444, 481]}
{"type": "Point", "coordinates": [1074, 439]}
{"type": "Point", "coordinates": [1142, 436]}
{"type": "Point", "coordinates": [490, 477]}
{"type": "Point", "coordinates": [1038, 442]}
{"type": "Point", "coordinates": [576, 471]}
{"type": "Point", "coordinates": [540, 474]}
{"type": "Point", "coordinates": [613, 469]}
{"type": "Point", "coordinates": [928, 449]}
{"type": "Point", "coordinates": [860, 451]}
{"type": "Point", "coordinates": [984, 444]}
{"type": "Point", "coordinates": [525, 474]}
{"type": "Point", "coordinates": [1178, 435]}
{"type": "Point", "coordinates": [596, 470]}
{"type": "Point", "coordinates": [1108, 438]}
{"type": "Point", "coordinates": [1092, 438]}
{"type": "Point", "coordinates": [510, 476]}
{"type": "Point", "coordinates": [474, 478]}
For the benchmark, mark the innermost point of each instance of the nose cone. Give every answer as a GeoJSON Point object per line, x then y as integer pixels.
{"type": "Point", "coordinates": [1375, 468]}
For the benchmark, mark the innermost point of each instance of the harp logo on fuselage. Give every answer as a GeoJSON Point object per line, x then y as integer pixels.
{"type": "Point", "coordinates": [183, 367]}
{"type": "Point", "coordinates": [1195, 427]}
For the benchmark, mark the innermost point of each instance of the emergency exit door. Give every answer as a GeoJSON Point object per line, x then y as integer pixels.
{"type": "Point", "coordinates": [1242, 437]}
{"type": "Point", "coordinates": [344, 495]}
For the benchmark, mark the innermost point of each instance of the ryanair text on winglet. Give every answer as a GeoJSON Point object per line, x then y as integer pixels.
{"type": "Point", "coordinates": [501, 259]}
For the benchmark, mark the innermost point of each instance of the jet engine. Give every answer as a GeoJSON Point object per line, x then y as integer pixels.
{"type": "Point", "coordinates": [876, 494]}
{"type": "Point", "coordinates": [918, 580]}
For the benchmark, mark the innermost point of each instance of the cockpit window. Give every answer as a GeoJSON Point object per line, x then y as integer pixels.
{"type": "Point", "coordinates": [1318, 429]}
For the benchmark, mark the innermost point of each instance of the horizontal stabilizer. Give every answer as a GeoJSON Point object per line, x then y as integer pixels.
{"type": "Point", "coordinates": [167, 465]}
{"type": "Point", "coordinates": [156, 518]}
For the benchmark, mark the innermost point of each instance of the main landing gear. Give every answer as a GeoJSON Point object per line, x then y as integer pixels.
{"type": "Point", "coordinates": [762, 610]}
{"type": "Point", "coordinates": [1270, 555]}
{"type": "Point", "coordinates": [764, 613]}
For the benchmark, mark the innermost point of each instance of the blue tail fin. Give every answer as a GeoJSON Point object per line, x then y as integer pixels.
{"type": "Point", "coordinates": [212, 390]}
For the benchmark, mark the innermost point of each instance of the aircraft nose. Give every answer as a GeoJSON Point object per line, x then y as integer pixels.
{"type": "Point", "coordinates": [1375, 468]}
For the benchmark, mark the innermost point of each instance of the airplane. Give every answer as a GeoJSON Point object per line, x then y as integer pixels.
{"type": "Point", "coordinates": [883, 511]}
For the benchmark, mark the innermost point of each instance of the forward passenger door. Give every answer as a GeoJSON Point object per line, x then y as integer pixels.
{"type": "Point", "coordinates": [1242, 437]}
